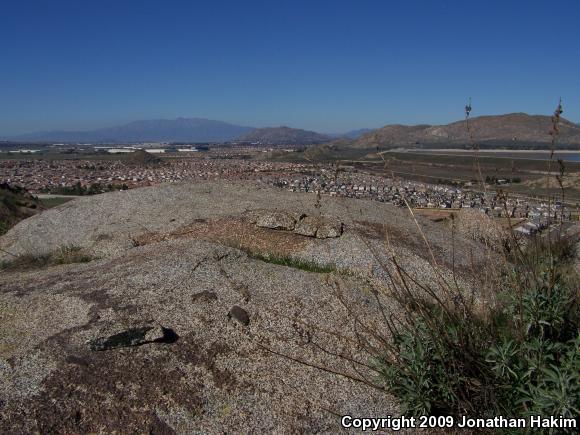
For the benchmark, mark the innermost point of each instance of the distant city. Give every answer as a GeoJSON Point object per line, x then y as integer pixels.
{"type": "Point", "coordinates": [85, 172]}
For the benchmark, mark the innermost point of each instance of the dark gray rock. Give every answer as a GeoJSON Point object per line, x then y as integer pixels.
{"type": "Point", "coordinates": [134, 337]}
{"type": "Point", "coordinates": [239, 314]}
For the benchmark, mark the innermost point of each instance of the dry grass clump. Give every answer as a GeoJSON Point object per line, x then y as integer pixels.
{"type": "Point", "coordinates": [69, 254]}
{"type": "Point", "coordinates": [66, 254]}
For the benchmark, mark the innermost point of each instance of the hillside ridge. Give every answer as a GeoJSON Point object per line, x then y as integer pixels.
{"type": "Point", "coordinates": [510, 127]}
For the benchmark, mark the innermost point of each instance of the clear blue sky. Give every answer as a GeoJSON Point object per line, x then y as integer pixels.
{"type": "Point", "coordinates": [324, 65]}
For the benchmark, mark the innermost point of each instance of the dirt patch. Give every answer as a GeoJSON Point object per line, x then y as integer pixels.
{"type": "Point", "coordinates": [235, 232]}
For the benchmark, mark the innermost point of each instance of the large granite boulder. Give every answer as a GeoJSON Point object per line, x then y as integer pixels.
{"type": "Point", "coordinates": [139, 339]}
{"type": "Point", "coordinates": [307, 226]}
{"type": "Point", "coordinates": [277, 220]}
{"type": "Point", "coordinates": [329, 228]}
{"type": "Point", "coordinates": [319, 226]}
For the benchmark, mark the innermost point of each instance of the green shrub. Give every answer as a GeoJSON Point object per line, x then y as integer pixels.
{"type": "Point", "coordinates": [419, 375]}
{"type": "Point", "coordinates": [519, 358]}
{"type": "Point", "coordinates": [4, 226]}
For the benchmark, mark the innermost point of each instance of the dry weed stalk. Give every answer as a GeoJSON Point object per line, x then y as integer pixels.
{"type": "Point", "coordinates": [474, 146]}
{"type": "Point", "coordinates": [554, 132]}
{"type": "Point", "coordinates": [446, 302]}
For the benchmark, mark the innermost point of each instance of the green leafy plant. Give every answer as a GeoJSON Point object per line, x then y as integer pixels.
{"type": "Point", "coordinates": [441, 365]}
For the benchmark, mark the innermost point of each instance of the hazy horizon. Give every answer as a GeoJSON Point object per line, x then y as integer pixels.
{"type": "Point", "coordinates": [111, 125]}
{"type": "Point", "coordinates": [330, 67]}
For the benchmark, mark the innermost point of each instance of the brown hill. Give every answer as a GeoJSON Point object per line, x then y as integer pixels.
{"type": "Point", "coordinates": [284, 136]}
{"type": "Point", "coordinates": [514, 128]}
{"type": "Point", "coordinates": [142, 158]}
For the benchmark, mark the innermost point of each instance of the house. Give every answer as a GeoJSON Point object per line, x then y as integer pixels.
{"type": "Point", "coordinates": [527, 228]}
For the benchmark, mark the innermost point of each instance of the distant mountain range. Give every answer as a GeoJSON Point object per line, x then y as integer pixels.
{"type": "Point", "coordinates": [185, 130]}
{"type": "Point", "coordinates": [511, 130]}
{"type": "Point", "coordinates": [284, 135]}
{"type": "Point", "coordinates": [157, 130]}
